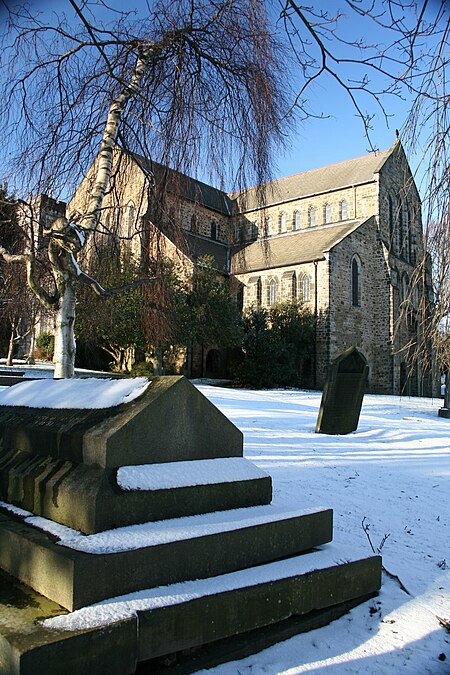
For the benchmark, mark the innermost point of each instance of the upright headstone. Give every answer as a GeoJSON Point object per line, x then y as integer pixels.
{"type": "Point", "coordinates": [343, 394]}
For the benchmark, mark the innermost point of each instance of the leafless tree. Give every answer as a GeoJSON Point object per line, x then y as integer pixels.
{"type": "Point", "coordinates": [202, 83]}
{"type": "Point", "coordinates": [408, 57]}
{"type": "Point", "coordinates": [190, 82]}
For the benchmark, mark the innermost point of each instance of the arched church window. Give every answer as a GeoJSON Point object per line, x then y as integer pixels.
{"type": "Point", "coordinates": [194, 223]}
{"type": "Point", "coordinates": [391, 220]}
{"type": "Point", "coordinates": [259, 292]}
{"type": "Point", "coordinates": [409, 234]}
{"type": "Point", "coordinates": [296, 220]}
{"type": "Point", "coordinates": [312, 216]}
{"type": "Point", "coordinates": [272, 292]}
{"type": "Point", "coordinates": [306, 288]}
{"type": "Point", "coordinates": [129, 221]}
{"type": "Point", "coordinates": [356, 281]}
{"type": "Point", "coordinates": [327, 213]}
{"type": "Point", "coordinates": [400, 230]}
{"type": "Point", "coordinates": [405, 287]}
{"type": "Point", "coordinates": [294, 287]}
{"type": "Point", "coordinates": [343, 210]}
{"type": "Point", "coordinates": [213, 229]}
{"type": "Point", "coordinates": [282, 222]}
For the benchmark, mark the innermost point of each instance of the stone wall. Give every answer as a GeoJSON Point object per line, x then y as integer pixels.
{"type": "Point", "coordinates": [361, 201]}
{"type": "Point", "coordinates": [364, 324]}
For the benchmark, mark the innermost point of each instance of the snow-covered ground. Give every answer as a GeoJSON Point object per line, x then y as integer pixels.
{"type": "Point", "coordinates": [393, 473]}
{"type": "Point", "coordinates": [393, 476]}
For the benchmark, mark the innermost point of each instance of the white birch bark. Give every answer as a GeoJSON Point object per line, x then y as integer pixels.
{"type": "Point", "coordinates": [109, 140]}
{"type": "Point", "coordinates": [65, 348]}
{"type": "Point", "coordinates": [9, 358]}
{"type": "Point", "coordinates": [30, 358]}
{"type": "Point", "coordinates": [64, 356]}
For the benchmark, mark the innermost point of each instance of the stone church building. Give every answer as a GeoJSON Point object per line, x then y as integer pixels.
{"type": "Point", "coordinates": [343, 239]}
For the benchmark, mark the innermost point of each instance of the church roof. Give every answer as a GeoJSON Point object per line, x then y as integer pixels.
{"type": "Point", "coordinates": [198, 247]}
{"type": "Point", "coordinates": [331, 177]}
{"type": "Point", "coordinates": [189, 188]}
{"type": "Point", "coordinates": [292, 248]}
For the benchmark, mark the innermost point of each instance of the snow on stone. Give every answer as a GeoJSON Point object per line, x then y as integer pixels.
{"type": "Point", "coordinates": [125, 606]}
{"type": "Point", "coordinates": [182, 474]}
{"type": "Point", "coordinates": [74, 393]}
{"type": "Point", "coordinates": [16, 510]}
{"type": "Point", "coordinates": [159, 532]}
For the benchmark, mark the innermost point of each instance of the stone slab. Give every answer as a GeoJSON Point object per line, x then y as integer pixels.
{"type": "Point", "coordinates": [444, 412]}
{"type": "Point", "coordinates": [74, 578]}
{"type": "Point", "coordinates": [87, 498]}
{"type": "Point", "coordinates": [177, 627]}
{"type": "Point", "coordinates": [241, 646]}
{"type": "Point", "coordinates": [27, 648]}
{"type": "Point", "coordinates": [171, 421]}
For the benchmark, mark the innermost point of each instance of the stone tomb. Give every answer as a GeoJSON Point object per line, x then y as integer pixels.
{"type": "Point", "coordinates": [212, 555]}
{"type": "Point", "coordinates": [343, 394]}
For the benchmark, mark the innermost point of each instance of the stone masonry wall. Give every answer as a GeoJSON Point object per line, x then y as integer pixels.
{"type": "Point", "coordinates": [361, 202]}
{"type": "Point", "coordinates": [366, 326]}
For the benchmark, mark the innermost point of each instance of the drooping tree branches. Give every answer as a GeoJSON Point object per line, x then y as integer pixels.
{"type": "Point", "coordinates": [189, 83]}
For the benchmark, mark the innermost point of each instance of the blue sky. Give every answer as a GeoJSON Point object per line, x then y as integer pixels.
{"type": "Point", "coordinates": [340, 134]}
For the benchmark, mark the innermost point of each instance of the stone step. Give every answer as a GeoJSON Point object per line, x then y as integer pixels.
{"type": "Point", "coordinates": [80, 570]}
{"type": "Point", "coordinates": [90, 499]}
{"type": "Point", "coordinates": [112, 637]}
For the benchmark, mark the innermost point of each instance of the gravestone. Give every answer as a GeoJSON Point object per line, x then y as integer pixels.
{"type": "Point", "coordinates": [343, 394]}
{"type": "Point", "coordinates": [151, 496]}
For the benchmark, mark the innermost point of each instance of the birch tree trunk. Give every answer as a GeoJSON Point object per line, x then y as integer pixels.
{"type": "Point", "coordinates": [9, 358]}
{"type": "Point", "coordinates": [65, 347]}
{"type": "Point", "coordinates": [30, 358]}
{"type": "Point", "coordinates": [73, 237]}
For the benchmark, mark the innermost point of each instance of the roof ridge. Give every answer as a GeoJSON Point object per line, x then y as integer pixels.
{"type": "Point", "coordinates": [375, 153]}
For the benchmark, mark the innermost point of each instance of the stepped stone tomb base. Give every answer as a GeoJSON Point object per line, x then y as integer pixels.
{"type": "Point", "coordinates": [138, 530]}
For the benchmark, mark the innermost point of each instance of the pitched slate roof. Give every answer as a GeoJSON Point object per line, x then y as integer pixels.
{"type": "Point", "coordinates": [189, 188]}
{"type": "Point", "coordinates": [197, 247]}
{"type": "Point", "coordinates": [292, 248]}
{"type": "Point", "coordinates": [332, 177]}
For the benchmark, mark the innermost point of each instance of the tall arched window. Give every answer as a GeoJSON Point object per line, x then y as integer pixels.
{"type": "Point", "coordinates": [296, 220]}
{"type": "Point", "coordinates": [268, 224]}
{"type": "Point", "coordinates": [306, 288]}
{"type": "Point", "coordinates": [343, 210]}
{"type": "Point", "coordinates": [193, 223]}
{"type": "Point", "coordinates": [409, 220]}
{"type": "Point", "coordinates": [129, 221]}
{"type": "Point", "coordinates": [405, 287]}
{"type": "Point", "coordinates": [254, 230]}
{"type": "Point", "coordinates": [259, 292]}
{"type": "Point", "coordinates": [272, 292]}
{"type": "Point", "coordinates": [282, 222]}
{"type": "Point", "coordinates": [400, 230]}
{"type": "Point", "coordinates": [327, 213]}
{"type": "Point", "coordinates": [312, 216]}
{"type": "Point", "coordinates": [294, 287]}
{"type": "Point", "coordinates": [391, 220]}
{"type": "Point", "coordinates": [213, 229]}
{"type": "Point", "coordinates": [356, 282]}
